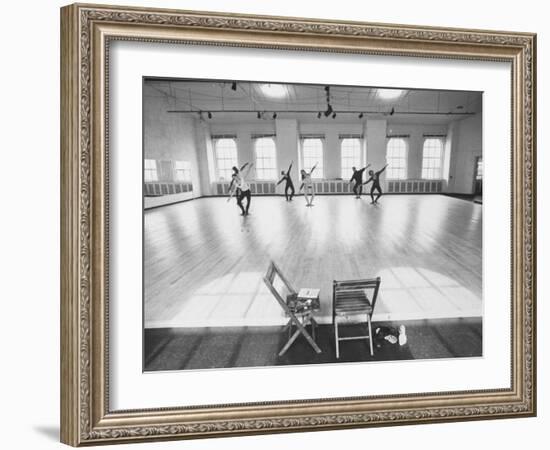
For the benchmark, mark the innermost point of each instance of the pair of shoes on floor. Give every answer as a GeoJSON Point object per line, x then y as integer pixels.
{"type": "Point", "coordinates": [391, 335]}
{"type": "Point", "coordinates": [402, 335]}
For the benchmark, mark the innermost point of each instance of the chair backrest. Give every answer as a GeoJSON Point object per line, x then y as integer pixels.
{"type": "Point", "coordinates": [278, 285]}
{"type": "Point", "coordinates": [371, 284]}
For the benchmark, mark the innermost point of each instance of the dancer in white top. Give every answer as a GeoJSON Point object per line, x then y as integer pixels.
{"type": "Point", "coordinates": [308, 185]}
{"type": "Point", "coordinates": [241, 187]}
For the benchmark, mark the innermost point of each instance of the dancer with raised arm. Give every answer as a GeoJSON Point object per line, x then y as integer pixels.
{"type": "Point", "coordinates": [242, 188]}
{"type": "Point", "coordinates": [357, 177]}
{"type": "Point", "coordinates": [289, 186]}
{"type": "Point", "coordinates": [309, 187]}
{"type": "Point", "coordinates": [375, 178]}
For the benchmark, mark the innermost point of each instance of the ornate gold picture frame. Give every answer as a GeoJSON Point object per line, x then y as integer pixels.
{"type": "Point", "coordinates": [87, 32]}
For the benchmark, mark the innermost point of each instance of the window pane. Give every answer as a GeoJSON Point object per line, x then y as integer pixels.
{"type": "Point", "coordinates": [182, 170]}
{"type": "Point", "coordinates": [266, 158]}
{"type": "Point", "coordinates": [351, 156]}
{"type": "Point", "coordinates": [431, 158]}
{"type": "Point", "coordinates": [226, 157]}
{"type": "Point", "coordinates": [396, 157]}
{"type": "Point", "coordinates": [479, 172]}
{"type": "Point", "coordinates": [150, 172]}
{"type": "Point", "coordinates": [312, 150]}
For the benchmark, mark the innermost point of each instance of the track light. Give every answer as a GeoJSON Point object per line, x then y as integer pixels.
{"type": "Point", "coordinates": [209, 115]}
{"type": "Point", "coordinates": [334, 115]}
{"type": "Point", "coordinates": [361, 115]}
{"type": "Point", "coordinates": [274, 115]}
{"type": "Point", "coordinates": [319, 115]}
{"type": "Point", "coordinates": [234, 86]}
{"type": "Point", "coordinates": [328, 112]}
{"type": "Point", "coordinates": [258, 115]}
{"type": "Point", "coordinates": [392, 112]}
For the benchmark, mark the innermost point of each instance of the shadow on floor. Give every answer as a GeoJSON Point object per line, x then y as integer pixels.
{"type": "Point", "coordinates": [226, 347]}
{"type": "Point", "coordinates": [50, 432]}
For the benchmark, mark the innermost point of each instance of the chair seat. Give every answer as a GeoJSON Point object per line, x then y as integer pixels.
{"type": "Point", "coordinates": [350, 302]}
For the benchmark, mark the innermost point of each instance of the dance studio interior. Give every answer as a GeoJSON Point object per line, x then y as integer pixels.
{"type": "Point", "coordinates": [296, 224]}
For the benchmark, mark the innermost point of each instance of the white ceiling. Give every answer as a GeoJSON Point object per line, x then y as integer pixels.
{"type": "Point", "coordinates": [304, 101]}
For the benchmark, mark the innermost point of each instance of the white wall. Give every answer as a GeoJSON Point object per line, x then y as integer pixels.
{"type": "Point", "coordinates": [287, 145]}
{"type": "Point", "coordinates": [30, 238]}
{"type": "Point", "coordinates": [466, 148]}
{"type": "Point", "coordinates": [375, 131]}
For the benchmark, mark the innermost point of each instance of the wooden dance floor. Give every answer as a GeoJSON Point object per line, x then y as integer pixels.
{"type": "Point", "coordinates": [204, 263]}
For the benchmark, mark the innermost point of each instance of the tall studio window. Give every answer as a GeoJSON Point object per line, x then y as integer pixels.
{"type": "Point", "coordinates": [150, 173]}
{"type": "Point", "coordinates": [226, 157]}
{"type": "Point", "coordinates": [266, 158]}
{"type": "Point", "coordinates": [182, 170]}
{"type": "Point", "coordinates": [312, 153]}
{"type": "Point", "coordinates": [431, 158]}
{"type": "Point", "coordinates": [351, 156]}
{"type": "Point", "coordinates": [396, 157]}
{"type": "Point", "coordinates": [479, 169]}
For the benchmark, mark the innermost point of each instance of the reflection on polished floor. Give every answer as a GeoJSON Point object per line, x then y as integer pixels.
{"type": "Point", "coordinates": [204, 263]}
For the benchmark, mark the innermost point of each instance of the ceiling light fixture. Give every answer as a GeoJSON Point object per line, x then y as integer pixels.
{"type": "Point", "coordinates": [234, 86]}
{"type": "Point", "coordinates": [389, 94]}
{"type": "Point", "coordinates": [334, 115]}
{"type": "Point", "coordinates": [360, 115]}
{"type": "Point", "coordinates": [259, 115]}
{"type": "Point", "coordinates": [209, 115]}
{"type": "Point", "coordinates": [329, 110]}
{"type": "Point", "coordinates": [319, 115]}
{"type": "Point", "coordinates": [274, 90]}
{"type": "Point", "coordinates": [274, 115]}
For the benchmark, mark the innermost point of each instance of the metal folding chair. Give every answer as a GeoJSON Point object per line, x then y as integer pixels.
{"type": "Point", "coordinates": [354, 298]}
{"type": "Point", "coordinates": [292, 309]}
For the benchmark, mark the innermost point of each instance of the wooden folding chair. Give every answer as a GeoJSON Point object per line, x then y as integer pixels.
{"type": "Point", "coordinates": [294, 313]}
{"type": "Point", "coordinates": [353, 298]}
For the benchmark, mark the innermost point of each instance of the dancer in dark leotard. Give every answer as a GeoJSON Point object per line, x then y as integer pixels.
{"type": "Point", "coordinates": [375, 178]}
{"type": "Point", "coordinates": [358, 178]}
{"type": "Point", "coordinates": [289, 185]}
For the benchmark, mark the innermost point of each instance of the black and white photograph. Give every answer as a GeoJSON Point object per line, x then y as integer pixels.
{"type": "Point", "coordinates": [295, 224]}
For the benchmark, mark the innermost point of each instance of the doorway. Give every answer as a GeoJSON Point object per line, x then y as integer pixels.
{"type": "Point", "coordinates": [478, 179]}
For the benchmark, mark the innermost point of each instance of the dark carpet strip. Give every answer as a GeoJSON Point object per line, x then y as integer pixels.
{"type": "Point", "coordinates": [226, 347]}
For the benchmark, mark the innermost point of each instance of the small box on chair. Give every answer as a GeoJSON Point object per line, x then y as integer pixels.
{"type": "Point", "coordinates": [310, 297]}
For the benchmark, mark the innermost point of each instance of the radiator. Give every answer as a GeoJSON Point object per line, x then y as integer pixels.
{"type": "Point", "coordinates": [414, 186]}
{"type": "Point", "coordinates": [332, 187]}
{"type": "Point", "coordinates": [268, 187]}
{"type": "Point", "coordinates": [256, 187]}
{"type": "Point", "coordinates": [155, 189]}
